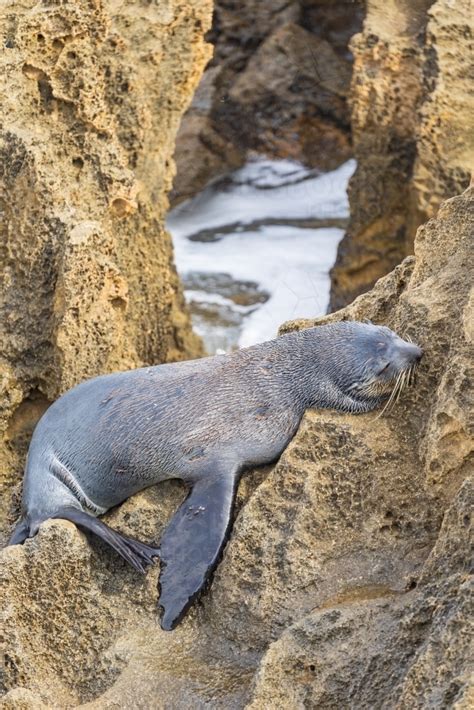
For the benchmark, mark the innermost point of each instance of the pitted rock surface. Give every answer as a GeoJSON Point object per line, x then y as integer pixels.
{"type": "Point", "coordinates": [412, 128]}
{"type": "Point", "coordinates": [92, 96]}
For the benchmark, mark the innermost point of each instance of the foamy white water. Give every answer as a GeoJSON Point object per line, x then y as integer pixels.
{"type": "Point", "coordinates": [229, 229]}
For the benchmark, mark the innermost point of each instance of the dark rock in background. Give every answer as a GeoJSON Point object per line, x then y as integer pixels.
{"type": "Point", "coordinates": [277, 85]}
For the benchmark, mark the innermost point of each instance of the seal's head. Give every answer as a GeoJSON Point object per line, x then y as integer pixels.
{"type": "Point", "coordinates": [370, 364]}
{"type": "Point", "coordinates": [389, 365]}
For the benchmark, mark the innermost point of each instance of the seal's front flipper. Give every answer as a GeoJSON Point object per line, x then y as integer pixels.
{"type": "Point", "coordinates": [192, 543]}
{"type": "Point", "coordinates": [134, 552]}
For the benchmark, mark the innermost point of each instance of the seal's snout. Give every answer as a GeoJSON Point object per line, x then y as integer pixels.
{"type": "Point", "coordinates": [414, 353]}
{"type": "Point", "coordinates": [409, 353]}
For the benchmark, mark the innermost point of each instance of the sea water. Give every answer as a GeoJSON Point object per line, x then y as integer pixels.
{"type": "Point", "coordinates": [255, 249]}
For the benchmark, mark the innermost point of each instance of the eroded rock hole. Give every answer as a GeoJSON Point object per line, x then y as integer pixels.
{"type": "Point", "coordinates": [25, 418]}
{"type": "Point", "coordinates": [118, 303]}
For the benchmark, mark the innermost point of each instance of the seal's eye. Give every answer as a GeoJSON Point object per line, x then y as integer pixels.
{"type": "Point", "coordinates": [385, 367]}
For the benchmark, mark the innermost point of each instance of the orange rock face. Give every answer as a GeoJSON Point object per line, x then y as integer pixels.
{"type": "Point", "coordinates": [413, 128]}
{"type": "Point", "coordinates": [92, 99]}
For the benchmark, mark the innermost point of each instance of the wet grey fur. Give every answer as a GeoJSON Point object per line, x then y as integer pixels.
{"type": "Point", "coordinates": [202, 421]}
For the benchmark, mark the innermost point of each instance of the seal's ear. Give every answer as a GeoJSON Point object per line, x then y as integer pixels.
{"type": "Point", "coordinates": [192, 543]}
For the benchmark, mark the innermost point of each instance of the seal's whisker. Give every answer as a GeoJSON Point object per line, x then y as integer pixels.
{"type": "Point", "coordinates": [402, 383]}
{"type": "Point", "coordinates": [391, 398]}
{"type": "Point", "coordinates": [398, 389]}
{"type": "Point", "coordinates": [388, 405]}
{"type": "Point", "coordinates": [407, 378]}
{"type": "Point", "coordinates": [399, 385]}
{"type": "Point", "coordinates": [392, 394]}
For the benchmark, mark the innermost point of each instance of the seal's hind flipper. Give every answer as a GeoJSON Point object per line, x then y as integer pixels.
{"type": "Point", "coordinates": [192, 543]}
{"type": "Point", "coordinates": [20, 533]}
{"type": "Point", "coordinates": [136, 553]}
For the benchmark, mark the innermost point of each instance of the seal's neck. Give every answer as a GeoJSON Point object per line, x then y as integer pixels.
{"type": "Point", "coordinates": [310, 367]}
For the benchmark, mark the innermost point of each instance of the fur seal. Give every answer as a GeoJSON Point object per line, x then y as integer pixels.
{"type": "Point", "coordinates": [202, 421]}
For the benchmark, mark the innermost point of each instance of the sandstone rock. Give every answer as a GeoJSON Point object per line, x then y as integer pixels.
{"type": "Point", "coordinates": [92, 98]}
{"type": "Point", "coordinates": [333, 20]}
{"type": "Point", "coordinates": [345, 580]}
{"type": "Point", "coordinates": [412, 126]}
{"type": "Point", "coordinates": [400, 650]}
{"type": "Point", "coordinates": [238, 29]}
{"type": "Point", "coordinates": [21, 699]}
{"type": "Point", "coordinates": [445, 147]}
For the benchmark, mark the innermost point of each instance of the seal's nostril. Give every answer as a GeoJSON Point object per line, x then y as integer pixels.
{"type": "Point", "coordinates": [413, 353]}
